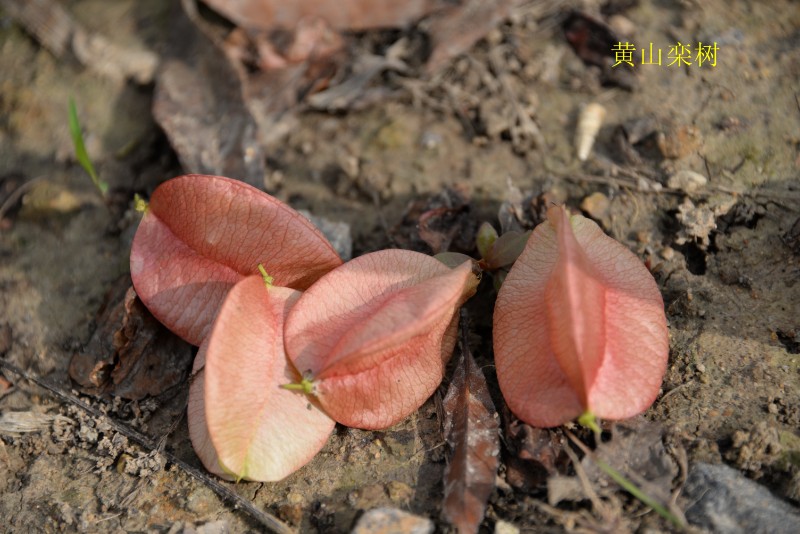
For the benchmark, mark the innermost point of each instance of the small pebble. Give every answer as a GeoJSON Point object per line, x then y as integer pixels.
{"type": "Point", "coordinates": [293, 513]}
{"type": "Point", "coordinates": [390, 521]}
{"type": "Point", "coordinates": [503, 527]}
{"type": "Point", "coordinates": [338, 233]}
{"type": "Point", "coordinates": [644, 236]}
{"type": "Point", "coordinates": [46, 198]}
{"type": "Point", "coordinates": [596, 206]}
{"type": "Point", "coordinates": [678, 141]}
{"type": "Point", "coordinates": [494, 37]}
{"type": "Point", "coordinates": [688, 181]}
{"type": "Point", "coordinates": [399, 492]}
{"type": "Point", "coordinates": [369, 497]}
{"type": "Point", "coordinates": [430, 140]}
{"type": "Point", "coordinates": [350, 165]}
{"type": "Point", "coordinates": [701, 368]}
{"type": "Point", "coordinates": [213, 527]}
{"type": "Point", "coordinates": [622, 25]}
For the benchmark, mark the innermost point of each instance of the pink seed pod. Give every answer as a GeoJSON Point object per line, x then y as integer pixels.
{"type": "Point", "coordinates": [579, 326]}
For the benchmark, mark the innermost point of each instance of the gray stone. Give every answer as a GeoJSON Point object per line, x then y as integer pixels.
{"type": "Point", "coordinates": [338, 233]}
{"type": "Point", "coordinates": [726, 502]}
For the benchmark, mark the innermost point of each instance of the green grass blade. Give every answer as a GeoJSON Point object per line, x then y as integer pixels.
{"type": "Point", "coordinates": [80, 149]}
{"type": "Point", "coordinates": [631, 488]}
{"type": "Point", "coordinates": [589, 421]}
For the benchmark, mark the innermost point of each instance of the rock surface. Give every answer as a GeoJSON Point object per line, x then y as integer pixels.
{"type": "Point", "coordinates": [726, 502]}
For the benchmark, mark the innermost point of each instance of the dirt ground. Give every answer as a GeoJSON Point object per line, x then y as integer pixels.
{"type": "Point", "coordinates": [725, 252]}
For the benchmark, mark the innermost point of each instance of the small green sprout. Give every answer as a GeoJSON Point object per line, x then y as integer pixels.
{"type": "Point", "coordinates": [80, 149]}
{"type": "Point", "coordinates": [589, 421]}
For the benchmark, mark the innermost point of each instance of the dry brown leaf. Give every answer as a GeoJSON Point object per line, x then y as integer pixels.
{"type": "Point", "coordinates": [511, 213]}
{"type": "Point", "coordinates": [471, 427]}
{"type": "Point", "coordinates": [55, 28]}
{"type": "Point", "coordinates": [130, 355]}
{"type": "Point", "coordinates": [444, 221]}
{"type": "Point", "coordinates": [352, 15]}
{"type": "Point", "coordinates": [199, 103]}
{"type": "Point", "coordinates": [439, 226]}
{"type": "Point", "coordinates": [593, 41]}
{"type": "Point", "coordinates": [534, 454]}
{"type": "Point", "coordinates": [456, 29]}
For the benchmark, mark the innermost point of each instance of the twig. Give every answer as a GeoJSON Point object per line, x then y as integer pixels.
{"type": "Point", "coordinates": [620, 182]}
{"type": "Point", "coordinates": [265, 519]}
{"type": "Point", "coordinates": [17, 193]}
{"type": "Point", "coordinates": [376, 200]}
{"type": "Point", "coordinates": [626, 179]}
{"type": "Point", "coordinates": [674, 390]}
{"type": "Point", "coordinates": [775, 196]}
{"type": "Point", "coordinates": [162, 441]}
{"type": "Point", "coordinates": [588, 490]}
{"type": "Point", "coordinates": [678, 453]}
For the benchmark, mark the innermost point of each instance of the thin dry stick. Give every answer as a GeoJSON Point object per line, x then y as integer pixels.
{"type": "Point", "coordinates": [675, 390]}
{"type": "Point", "coordinates": [588, 490]}
{"type": "Point", "coordinates": [626, 178]}
{"type": "Point", "coordinates": [620, 182]}
{"type": "Point", "coordinates": [267, 520]}
{"type": "Point", "coordinates": [678, 454]}
{"type": "Point", "coordinates": [17, 194]}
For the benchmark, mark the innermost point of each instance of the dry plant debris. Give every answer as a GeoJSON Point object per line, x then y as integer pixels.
{"type": "Point", "coordinates": [58, 31]}
{"type": "Point", "coordinates": [130, 354]}
{"type": "Point", "coordinates": [471, 428]}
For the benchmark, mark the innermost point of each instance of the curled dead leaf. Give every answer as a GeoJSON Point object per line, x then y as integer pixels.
{"type": "Point", "coordinates": [352, 15]}
{"type": "Point", "coordinates": [129, 355]}
{"type": "Point", "coordinates": [471, 426]}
